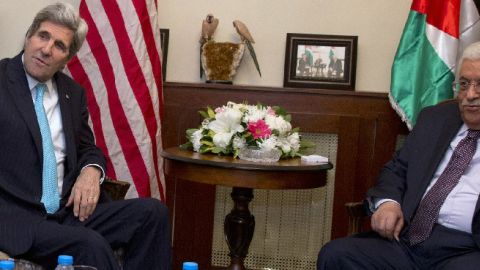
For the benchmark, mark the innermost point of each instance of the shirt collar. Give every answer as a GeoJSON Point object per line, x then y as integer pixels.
{"type": "Point", "coordinates": [32, 82]}
{"type": "Point", "coordinates": [462, 131]}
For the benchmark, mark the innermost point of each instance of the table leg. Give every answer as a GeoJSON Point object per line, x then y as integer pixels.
{"type": "Point", "coordinates": [239, 226]}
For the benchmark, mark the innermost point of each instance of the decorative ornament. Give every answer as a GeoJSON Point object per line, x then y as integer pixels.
{"type": "Point", "coordinates": [220, 60]}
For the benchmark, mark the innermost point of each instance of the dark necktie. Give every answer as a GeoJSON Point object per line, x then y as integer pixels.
{"type": "Point", "coordinates": [50, 194]}
{"type": "Point", "coordinates": [427, 212]}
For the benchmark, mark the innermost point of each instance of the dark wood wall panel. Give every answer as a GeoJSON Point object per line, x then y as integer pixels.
{"type": "Point", "coordinates": [366, 125]}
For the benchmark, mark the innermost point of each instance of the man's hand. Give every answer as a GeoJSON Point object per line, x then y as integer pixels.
{"type": "Point", "coordinates": [388, 220]}
{"type": "Point", "coordinates": [85, 192]}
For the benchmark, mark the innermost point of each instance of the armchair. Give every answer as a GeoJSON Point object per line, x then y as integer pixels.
{"type": "Point", "coordinates": [356, 217]}
{"type": "Point", "coordinates": [356, 210]}
{"type": "Point", "coordinates": [117, 191]}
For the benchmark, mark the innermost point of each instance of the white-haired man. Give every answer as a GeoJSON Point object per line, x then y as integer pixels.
{"type": "Point", "coordinates": [425, 202]}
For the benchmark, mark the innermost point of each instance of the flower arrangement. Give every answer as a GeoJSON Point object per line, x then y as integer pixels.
{"type": "Point", "coordinates": [229, 128]}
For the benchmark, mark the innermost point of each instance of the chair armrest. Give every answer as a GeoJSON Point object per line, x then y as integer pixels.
{"type": "Point", "coordinates": [357, 214]}
{"type": "Point", "coordinates": [116, 189]}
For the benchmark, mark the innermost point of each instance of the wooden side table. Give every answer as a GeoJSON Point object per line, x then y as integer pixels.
{"type": "Point", "coordinates": [243, 176]}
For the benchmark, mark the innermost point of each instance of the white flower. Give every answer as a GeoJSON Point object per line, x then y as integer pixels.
{"type": "Point", "coordinates": [294, 140]}
{"type": "Point", "coordinates": [253, 114]}
{"type": "Point", "coordinates": [267, 144]}
{"type": "Point", "coordinates": [195, 139]}
{"type": "Point", "coordinates": [284, 144]}
{"type": "Point", "coordinates": [239, 142]}
{"type": "Point", "coordinates": [278, 123]}
{"type": "Point", "coordinates": [225, 125]}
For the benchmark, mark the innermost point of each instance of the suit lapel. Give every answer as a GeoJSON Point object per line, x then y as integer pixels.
{"type": "Point", "coordinates": [449, 129]}
{"type": "Point", "coordinates": [22, 97]}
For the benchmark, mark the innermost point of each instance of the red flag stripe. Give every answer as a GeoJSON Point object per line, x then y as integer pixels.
{"type": "Point", "coordinates": [119, 119]}
{"type": "Point", "coordinates": [444, 15]}
{"type": "Point", "coordinates": [78, 74]}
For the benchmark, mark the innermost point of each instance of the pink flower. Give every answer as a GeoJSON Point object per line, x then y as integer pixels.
{"type": "Point", "coordinates": [259, 129]}
{"type": "Point", "coordinates": [220, 110]}
{"type": "Point", "coordinates": [271, 112]}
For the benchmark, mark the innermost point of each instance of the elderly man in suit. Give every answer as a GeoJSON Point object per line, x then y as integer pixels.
{"type": "Point", "coordinates": [51, 201]}
{"type": "Point", "coordinates": [335, 68]}
{"type": "Point", "coordinates": [425, 202]}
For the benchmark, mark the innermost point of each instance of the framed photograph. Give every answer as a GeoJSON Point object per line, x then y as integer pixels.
{"type": "Point", "coordinates": [320, 61]}
{"type": "Point", "coordinates": [164, 46]}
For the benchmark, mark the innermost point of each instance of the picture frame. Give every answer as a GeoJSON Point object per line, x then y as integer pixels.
{"type": "Point", "coordinates": [320, 61]}
{"type": "Point", "coordinates": [164, 45]}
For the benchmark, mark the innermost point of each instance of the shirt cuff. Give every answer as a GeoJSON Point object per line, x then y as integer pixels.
{"type": "Point", "coordinates": [374, 203]}
{"type": "Point", "coordinates": [98, 166]}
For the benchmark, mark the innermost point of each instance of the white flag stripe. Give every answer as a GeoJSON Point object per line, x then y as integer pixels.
{"type": "Point", "coordinates": [127, 98]}
{"type": "Point", "coordinates": [443, 44]}
{"type": "Point", "coordinates": [119, 163]}
{"type": "Point", "coordinates": [469, 27]}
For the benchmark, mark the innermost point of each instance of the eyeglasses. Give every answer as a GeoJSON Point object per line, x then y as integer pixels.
{"type": "Point", "coordinates": [464, 86]}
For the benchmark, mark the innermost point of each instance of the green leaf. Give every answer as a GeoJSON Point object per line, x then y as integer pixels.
{"type": "Point", "coordinates": [261, 105]}
{"type": "Point", "coordinates": [188, 145]}
{"type": "Point", "coordinates": [295, 130]}
{"type": "Point", "coordinates": [204, 114]}
{"type": "Point", "coordinates": [220, 150]}
{"type": "Point", "coordinates": [211, 134]}
{"type": "Point", "coordinates": [276, 132]}
{"type": "Point", "coordinates": [235, 153]}
{"type": "Point", "coordinates": [190, 132]}
{"type": "Point", "coordinates": [307, 144]}
{"type": "Point", "coordinates": [288, 117]}
{"type": "Point", "coordinates": [205, 149]}
{"type": "Point", "coordinates": [211, 113]}
{"type": "Point", "coordinates": [279, 110]}
{"type": "Point", "coordinates": [207, 141]}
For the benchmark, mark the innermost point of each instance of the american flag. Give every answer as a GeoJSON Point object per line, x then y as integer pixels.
{"type": "Point", "coordinates": [119, 66]}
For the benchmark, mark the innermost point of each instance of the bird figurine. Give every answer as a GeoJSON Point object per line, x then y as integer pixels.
{"type": "Point", "coordinates": [208, 29]}
{"type": "Point", "coordinates": [242, 30]}
{"type": "Point", "coordinates": [246, 37]}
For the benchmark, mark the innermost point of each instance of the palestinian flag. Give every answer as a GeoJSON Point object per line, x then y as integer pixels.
{"type": "Point", "coordinates": [435, 35]}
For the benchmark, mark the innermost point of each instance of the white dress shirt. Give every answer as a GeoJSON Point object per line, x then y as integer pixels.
{"type": "Point", "coordinates": [459, 206]}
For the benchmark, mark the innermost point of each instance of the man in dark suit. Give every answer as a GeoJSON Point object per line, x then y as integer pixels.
{"type": "Point", "coordinates": [335, 68]}
{"type": "Point", "coordinates": [425, 202]}
{"type": "Point", "coordinates": [304, 66]}
{"type": "Point", "coordinates": [75, 217]}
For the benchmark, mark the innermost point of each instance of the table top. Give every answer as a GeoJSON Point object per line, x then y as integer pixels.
{"type": "Point", "coordinates": [290, 173]}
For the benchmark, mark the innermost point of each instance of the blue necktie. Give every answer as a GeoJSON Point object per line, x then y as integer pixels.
{"type": "Point", "coordinates": [50, 196]}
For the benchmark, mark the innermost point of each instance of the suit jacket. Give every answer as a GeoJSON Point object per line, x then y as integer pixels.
{"type": "Point", "coordinates": [336, 66]}
{"type": "Point", "coordinates": [406, 177]}
{"type": "Point", "coordinates": [21, 153]}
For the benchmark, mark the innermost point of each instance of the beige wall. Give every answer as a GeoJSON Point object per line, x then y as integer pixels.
{"type": "Point", "coordinates": [377, 23]}
{"type": "Point", "coordinates": [15, 18]}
